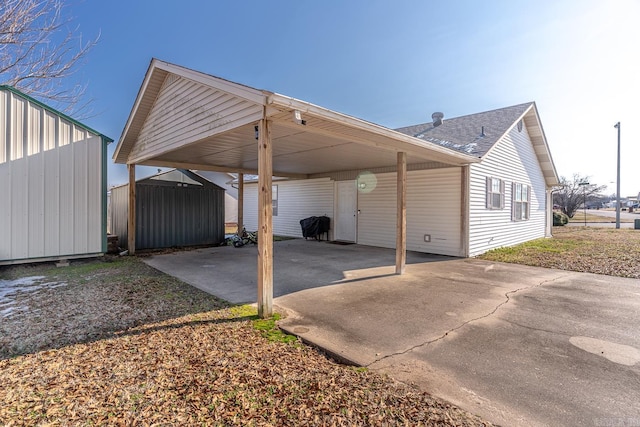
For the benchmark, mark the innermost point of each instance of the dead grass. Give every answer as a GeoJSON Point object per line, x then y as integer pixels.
{"type": "Point", "coordinates": [594, 218]}
{"type": "Point", "coordinates": [121, 344]}
{"type": "Point", "coordinates": [591, 250]}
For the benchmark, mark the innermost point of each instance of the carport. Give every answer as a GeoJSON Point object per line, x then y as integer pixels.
{"type": "Point", "coordinates": [186, 119]}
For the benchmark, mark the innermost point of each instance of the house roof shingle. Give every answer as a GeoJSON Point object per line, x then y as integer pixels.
{"type": "Point", "coordinates": [464, 133]}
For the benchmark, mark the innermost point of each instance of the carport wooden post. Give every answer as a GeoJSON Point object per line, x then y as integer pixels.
{"type": "Point", "coordinates": [549, 214]}
{"type": "Point", "coordinates": [131, 220]}
{"type": "Point", "coordinates": [240, 202]}
{"type": "Point", "coordinates": [464, 209]}
{"type": "Point", "coordinates": [265, 221]}
{"type": "Point", "coordinates": [401, 216]}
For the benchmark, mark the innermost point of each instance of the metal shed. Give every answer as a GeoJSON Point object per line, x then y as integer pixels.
{"type": "Point", "coordinates": [53, 183]}
{"type": "Point", "coordinates": [174, 208]}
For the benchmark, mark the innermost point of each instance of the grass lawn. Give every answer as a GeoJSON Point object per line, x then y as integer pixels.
{"type": "Point", "coordinates": [115, 342]}
{"type": "Point", "coordinates": [615, 252]}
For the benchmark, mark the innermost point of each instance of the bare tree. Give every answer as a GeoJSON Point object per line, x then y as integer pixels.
{"type": "Point", "coordinates": [39, 50]}
{"type": "Point", "coordinates": [571, 194]}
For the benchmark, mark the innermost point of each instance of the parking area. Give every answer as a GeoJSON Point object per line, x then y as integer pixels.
{"type": "Point", "coordinates": [517, 345]}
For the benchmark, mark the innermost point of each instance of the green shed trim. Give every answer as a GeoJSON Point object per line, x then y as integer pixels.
{"type": "Point", "coordinates": [54, 111]}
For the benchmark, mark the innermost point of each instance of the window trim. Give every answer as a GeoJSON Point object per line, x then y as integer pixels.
{"type": "Point", "coordinates": [274, 200]}
{"type": "Point", "coordinates": [490, 193]}
{"type": "Point", "coordinates": [523, 203]}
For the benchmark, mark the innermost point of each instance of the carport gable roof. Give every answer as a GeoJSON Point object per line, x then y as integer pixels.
{"type": "Point", "coordinates": [477, 134]}
{"type": "Point", "coordinates": [187, 119]}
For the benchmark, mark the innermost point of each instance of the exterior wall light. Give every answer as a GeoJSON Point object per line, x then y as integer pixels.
{"type": "Point", "coordinates": [297, 117]}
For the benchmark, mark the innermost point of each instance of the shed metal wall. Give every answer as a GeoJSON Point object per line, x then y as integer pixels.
{"type": "Point", "coordinates": [51, 185]}
{"type": "Point", "coordinates": [170, 215]}
{"type": "Point", "coordinates": [513, 159]}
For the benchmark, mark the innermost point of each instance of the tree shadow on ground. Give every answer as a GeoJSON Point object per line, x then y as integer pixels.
{"type": "Point", "coordinates": [94, 300]}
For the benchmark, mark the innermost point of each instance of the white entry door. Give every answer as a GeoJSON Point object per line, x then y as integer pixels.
{"type": "Point", "coordinates": [346, 211]}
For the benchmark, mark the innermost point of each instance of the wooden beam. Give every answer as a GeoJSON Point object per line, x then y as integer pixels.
{"type": "Point", "coordinates": [131, 220]}
{"type": "Point", "coordinates": [206, 167]}
{"type": "Point", "coordinates": [240, 201]}
{"type": "Point", "coordinates": [464, 210]}
{"type": "Point", "coordinates": [401, 215]}
{"type": "Point", "coordinates": [265, 220]}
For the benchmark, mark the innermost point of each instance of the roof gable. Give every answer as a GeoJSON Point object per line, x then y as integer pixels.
{"type": "Point", "coordinates": [477, 134]}
{"type": "Point", "coordinates": [473, 134]}
{"type": "Point", "coordinates": [188, 119]}
{"type": "Point", "coordinates": [159, 76]}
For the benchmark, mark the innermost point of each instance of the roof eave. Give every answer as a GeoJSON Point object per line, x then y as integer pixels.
{"type": "Point", "coordinates": [118, 156]}
{"type": "Point", "coordinates": [550, 180]}
{"type": "Point", "coordinates": [553, 180]}
{"type": "Point", "coordinates": [282, 101]}
{"type": "Point", "coordinates": [157, 66]}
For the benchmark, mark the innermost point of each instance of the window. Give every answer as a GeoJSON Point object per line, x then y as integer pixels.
{"type": "Point", "coordinates": [521, 200]}
{"type": "Point", "coordinates": [274, 199]}
{"type": "Point", "coordinates": [495, 193]}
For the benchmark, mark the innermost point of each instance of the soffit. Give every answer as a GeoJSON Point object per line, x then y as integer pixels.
{"type": "Point", "coordinates": [327, 142]}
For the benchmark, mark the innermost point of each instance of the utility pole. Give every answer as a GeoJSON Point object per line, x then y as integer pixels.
{"type": "Point", "coordinates": [617, 126]}
{"type": "Point", "coordinates": [584, 199]}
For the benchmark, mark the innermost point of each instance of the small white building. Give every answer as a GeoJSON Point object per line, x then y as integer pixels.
{"type": "Point", "coordinates": [53, 183]}
{"type": "Point", "coordinates": [225, 180]}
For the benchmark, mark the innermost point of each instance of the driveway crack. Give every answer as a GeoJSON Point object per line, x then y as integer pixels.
{"type": "Point", "coordinates": [463, 324]}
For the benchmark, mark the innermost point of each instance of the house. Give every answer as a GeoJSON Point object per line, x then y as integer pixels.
{"type": "Point", "coordinates": [53, 183]}
{"type": "Point", "coordinates": [225, 180]}
{"type": "Point", "coordinates": [173, 208]}
{"type": "Point", "coordinates": [503, 201]}
{"type": "Point", "coordinates": [452, 186]}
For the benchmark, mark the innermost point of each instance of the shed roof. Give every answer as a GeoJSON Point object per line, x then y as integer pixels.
{"type": "Point", "coordinates": [188, 119]}
{"type": "Point", "coordinates": [182, 176]}
{"type": "Point", "coordinates": [476, 134]}
{"type": "Point", "coordinates": [23, 95]}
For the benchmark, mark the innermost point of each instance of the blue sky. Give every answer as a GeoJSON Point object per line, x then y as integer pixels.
{"type": "Point", "coordinates": [393, 63]}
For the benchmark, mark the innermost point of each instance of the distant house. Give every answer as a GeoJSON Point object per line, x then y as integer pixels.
{"type": "Point", "coordinates": [53, 183]}
{"type": "Point", "coordinates": [173, 208]}
{"type": "Point", "coordinates": [224, 180]}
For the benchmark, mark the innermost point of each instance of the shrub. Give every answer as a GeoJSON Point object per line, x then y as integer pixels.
{"type": "Point", "coordinates": [560, 219]}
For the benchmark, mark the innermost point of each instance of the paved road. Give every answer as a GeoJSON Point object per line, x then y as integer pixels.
{"type": "Point", "coordinates": [612, 214]}
{"type": "Point", "coordinates": [517, 345]}
{"type": "Point", "coordinates": [624, 216]}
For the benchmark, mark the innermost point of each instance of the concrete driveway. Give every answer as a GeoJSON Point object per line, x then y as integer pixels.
{"type": "Point", "coordinates": [517, 345]}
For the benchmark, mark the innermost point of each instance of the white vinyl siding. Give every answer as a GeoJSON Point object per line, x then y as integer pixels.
{"type": "Point", "coordinates": [52, 194]}
{"type": "Point", "coordinates": [185, 112]}
{"type": "Point", "coordinates": [433, 208]}
{"type": "Point", "coordinates": [297, 199]}
{"type": "Point", "coordinates": [512, 159]}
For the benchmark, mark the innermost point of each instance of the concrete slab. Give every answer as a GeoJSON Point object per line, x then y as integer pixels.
{"type": "Point", "coordinates": [231, 273]}
{"type": "Point", "coordinates": [517, 345]}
